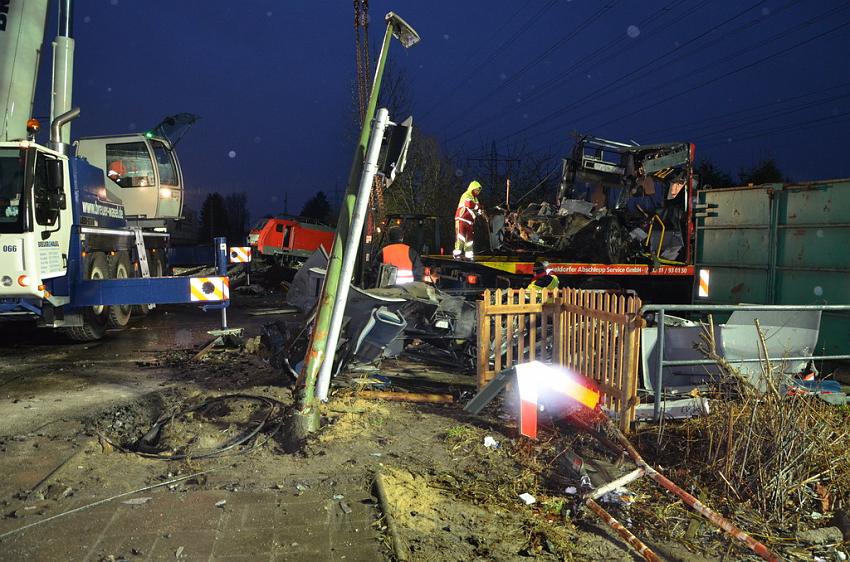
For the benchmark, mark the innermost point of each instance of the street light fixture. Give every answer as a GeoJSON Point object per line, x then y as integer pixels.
{"type": "Point", "coordinates": [401, 30]}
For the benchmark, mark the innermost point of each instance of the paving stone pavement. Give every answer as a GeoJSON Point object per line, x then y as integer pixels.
{"type": "Point", "coordinates": [272, 525]}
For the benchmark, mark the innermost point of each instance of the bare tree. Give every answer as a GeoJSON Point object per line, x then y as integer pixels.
{"type": "Point", "coordinates": [428, 185]}
{"type": "Point", "coordinates": [237, 215]}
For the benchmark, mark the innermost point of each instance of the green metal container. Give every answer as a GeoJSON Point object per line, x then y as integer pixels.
{"type": "Point", "coordinates": [778, 244]}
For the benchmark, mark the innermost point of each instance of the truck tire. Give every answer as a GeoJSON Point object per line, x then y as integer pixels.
{"type": "Point", "coordinates": [94, 317]}
{"type": "Point", "coordinates": [613, 245]}
{"type": "Point", "coordinates": [119, 268]}
{"type": "Point", "coordinates": [156, 268]}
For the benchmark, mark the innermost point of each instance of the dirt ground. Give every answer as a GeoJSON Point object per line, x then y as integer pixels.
{"type": "Point", "coordinates": [450, 497]}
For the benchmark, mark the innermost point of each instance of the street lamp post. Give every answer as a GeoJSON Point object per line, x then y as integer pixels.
{"type": "Point", "coordinates": [306, 417]}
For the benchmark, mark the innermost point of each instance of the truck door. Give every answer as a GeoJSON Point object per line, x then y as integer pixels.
{"type": "Point", "coordinates": [170, 184]}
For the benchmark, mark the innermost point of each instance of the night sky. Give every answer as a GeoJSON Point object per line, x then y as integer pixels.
{"type": "Point", "coordinates": [274, 81]}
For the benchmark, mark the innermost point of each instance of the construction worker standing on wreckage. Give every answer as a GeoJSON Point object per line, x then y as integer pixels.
{"type": "Point", "coordinates": [468, 209]}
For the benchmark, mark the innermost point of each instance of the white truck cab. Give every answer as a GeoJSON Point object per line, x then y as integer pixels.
{"type": "Point", "coordinates": [140, 170]}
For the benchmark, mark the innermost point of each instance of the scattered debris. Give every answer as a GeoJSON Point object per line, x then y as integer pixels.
{"type": "Point", "coordinates": [824, 535]}
{"type": "Point", "coordinates": [159, 441]}
{"type": "Point", "coordinates": [137, 501]}
{"type": "Point", "coordinates": [527, 498]}
{"type": "Point", "coordinates": [407, 396]}
{"type": "Point", "coordinates": [491, 443]}
{"type": "Point", "coordinates": [103, 501]}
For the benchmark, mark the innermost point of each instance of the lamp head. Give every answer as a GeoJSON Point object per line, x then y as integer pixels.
{"type": "Point", "coordinates": [402, 31]}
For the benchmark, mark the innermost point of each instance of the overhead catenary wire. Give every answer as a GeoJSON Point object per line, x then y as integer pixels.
{"type": "Point", "coordinates": [584, 24]}
{"type": "Point", "coordinates": [479, 67]}
{"type": "Point", "coordinates": [548, 86]}
{"type": "Point", "coordinates": [722, 62]}
{"type": "Point", "coordinates": [725, 128]}
{"type": "Point", "coordinates": [809, 123]}
{"type": "Point", "coordinates": [599, 91]}
{"type": "Point", "coordinates": [719, 62]}
{"type": "Point", "coordinates": [648, 23]}
{"type": "Point", "coordinates": [713, 119]}
{"type": "Point", "coordinates": [729, 73]}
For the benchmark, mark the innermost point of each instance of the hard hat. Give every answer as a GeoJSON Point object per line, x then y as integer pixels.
{"type": "Point", "coordinates": [540, 266]}
{"type": "Point", "coordinates": [474, 185]}
{"type": "Point", "coordinates": [395, 235]}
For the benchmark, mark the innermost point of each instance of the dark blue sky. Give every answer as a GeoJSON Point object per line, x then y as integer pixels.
{"type": "Point", "coordinates": [273, 81]}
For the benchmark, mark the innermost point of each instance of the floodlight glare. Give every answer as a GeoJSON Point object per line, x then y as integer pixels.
{"type": "Point", "coordinates": [406, 35]}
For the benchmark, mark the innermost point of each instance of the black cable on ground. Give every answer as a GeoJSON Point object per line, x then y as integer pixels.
{"type": "Point", "coordinates": [274, 407]}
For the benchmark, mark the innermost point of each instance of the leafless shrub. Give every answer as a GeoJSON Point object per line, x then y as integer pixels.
{"type": "Point", "coordinates": [784, 453]}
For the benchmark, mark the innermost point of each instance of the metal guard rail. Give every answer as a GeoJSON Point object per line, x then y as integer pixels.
{"type": "Point", "coordinates": [661, 309]}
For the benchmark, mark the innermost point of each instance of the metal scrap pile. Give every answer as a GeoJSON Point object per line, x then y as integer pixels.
{"type": "Point", "coordinates": [567, 229]}
{"type": "Point", "coordinates": [611, 195]}
{"type": "Point", "coordinates": [378, 323]}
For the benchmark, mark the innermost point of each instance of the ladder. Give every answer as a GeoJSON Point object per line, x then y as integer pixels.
{"type": "Point", "coordinates": [142, 254]}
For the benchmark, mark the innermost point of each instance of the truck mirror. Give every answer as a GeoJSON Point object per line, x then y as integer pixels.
{"type": "Point", "coordinates": [56, 183]}
{"type": "Point", "coordinates": [397, 145]}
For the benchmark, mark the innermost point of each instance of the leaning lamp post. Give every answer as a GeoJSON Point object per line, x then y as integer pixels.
{"type": "Point", "coordinates": [306, 417]}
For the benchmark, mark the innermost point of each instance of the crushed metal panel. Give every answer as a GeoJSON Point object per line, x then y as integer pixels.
{"type": "Point", "coordinates": [788, 333]}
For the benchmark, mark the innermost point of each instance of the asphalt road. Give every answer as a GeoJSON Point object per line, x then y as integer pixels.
{"type": "Point", "coordinates": [45, 377]}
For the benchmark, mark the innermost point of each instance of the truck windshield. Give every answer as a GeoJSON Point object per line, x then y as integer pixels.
{"type": "Point", "coordinates": [129, 164]}
{"type": "Point", "coordinates": [12, 167]}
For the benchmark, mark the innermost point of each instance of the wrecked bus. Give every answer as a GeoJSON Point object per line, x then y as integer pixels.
{"type": "Point", "coordinates": [622, 219]}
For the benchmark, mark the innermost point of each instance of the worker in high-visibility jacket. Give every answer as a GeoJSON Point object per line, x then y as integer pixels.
{"type": "Point", "coordinates": [405, 259]}
{"type": "Point", "coordinates": [468, 209]}
{"type": "Point", "coordinates": [543, 277]}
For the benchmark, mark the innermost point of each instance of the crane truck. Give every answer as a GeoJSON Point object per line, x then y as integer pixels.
{"type": "Point", "coordinates": [83, 236]}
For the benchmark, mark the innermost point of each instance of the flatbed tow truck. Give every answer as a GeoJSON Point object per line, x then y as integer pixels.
{"type": "Point", "coordinates": [623, 219]}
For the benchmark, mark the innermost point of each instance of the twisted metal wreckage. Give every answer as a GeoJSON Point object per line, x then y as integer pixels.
{"type": "Point", "coordinates": [617, 203]}
{"type": "Point", "coordinates": [376, 324]}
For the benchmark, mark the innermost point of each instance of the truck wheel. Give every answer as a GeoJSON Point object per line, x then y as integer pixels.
{"type": "Point", "coordinates": [119, 268]}
{"type": "Point", "coordinates": [156, 268]}
{"type": "Point", "coordinates": [94, 317]}
{"type": "Point", "coordinates": [614, 245]}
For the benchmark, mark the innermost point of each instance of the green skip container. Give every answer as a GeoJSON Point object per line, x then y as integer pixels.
{"type": "Point", "coordinates": [778, 244]}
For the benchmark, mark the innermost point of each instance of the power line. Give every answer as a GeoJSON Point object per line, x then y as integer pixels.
{"type": "Point", "coordinates": [626, 76]}
{"type": "Point", "coordinates": [729, 73]}
{"type": "Point", "coordinates": [747, 110]}
{"type": "Point", "coordinates": [720, 62]}
{"type": "Point", "coordinates": [549, 85]}
{"type": "Point", "coordinates": [827, 120]}
{"type": "Point", "coordinates": [478, 68]}
{"type": "Point", "coordinates": [561, 42]}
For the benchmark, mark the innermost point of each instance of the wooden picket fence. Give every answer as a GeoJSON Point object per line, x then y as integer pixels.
{"type": "Point", "coordinates": [595, 333]}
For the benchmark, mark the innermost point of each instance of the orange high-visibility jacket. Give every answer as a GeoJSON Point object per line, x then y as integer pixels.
{"type": "Point", "coordinates": [406, 261]}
